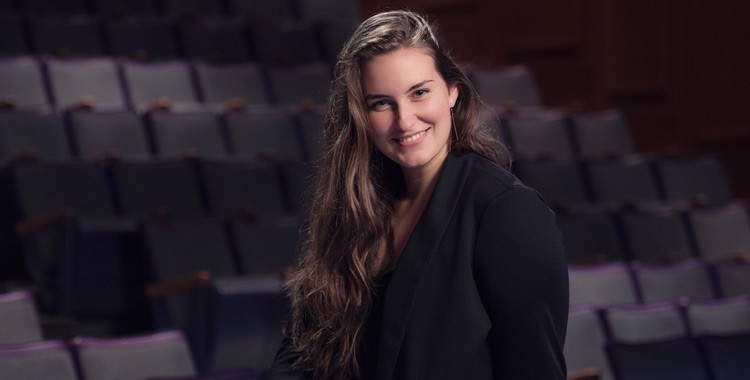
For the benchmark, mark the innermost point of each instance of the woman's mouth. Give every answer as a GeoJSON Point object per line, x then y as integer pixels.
{"type": "Point", "coordinates": [411, 139]}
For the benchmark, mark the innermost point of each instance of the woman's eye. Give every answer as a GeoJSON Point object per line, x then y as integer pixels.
{"type": "Point", "coordinates": [380, 104]}
{"type": "Point", "coordinates": [420, 92]}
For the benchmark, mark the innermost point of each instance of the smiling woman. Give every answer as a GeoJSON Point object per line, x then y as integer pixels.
{"type": "Point", "coordinates": [409, 108]}
{"type": "Point", "coordinates": [424, 258]}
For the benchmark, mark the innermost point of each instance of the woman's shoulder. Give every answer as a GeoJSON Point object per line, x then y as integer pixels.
{"type": "Point", "coordinates": [489, 177]}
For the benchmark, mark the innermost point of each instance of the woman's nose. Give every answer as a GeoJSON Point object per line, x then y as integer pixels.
{"type": "Point", "coordinates": [405, 116]}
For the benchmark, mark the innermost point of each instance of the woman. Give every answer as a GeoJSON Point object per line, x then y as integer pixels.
{"type": "Point", "coordinates": [425, 258]}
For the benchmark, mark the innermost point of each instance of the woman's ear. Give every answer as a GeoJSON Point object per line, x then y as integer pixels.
{"type": "Point", "coordinates": [452, 95]}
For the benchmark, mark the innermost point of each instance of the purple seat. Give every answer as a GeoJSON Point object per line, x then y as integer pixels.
{"type": "Point", "coordinates": [134, 357]}
{"type": "Point", "coordinates": [602, 134]}
{"type": "Point", "coordinates": [688, 279]}
{"type": "Point", "coordinates": [601, 285]}
{"type": "Point", "coordinates": [536, 135]}
{"type": "Point", "coordinates": [86, 82]}
{"type": "Point", "coordinates": [45, 360]}
{"type": "Point", "coordinates": [167, 84]}
{"type": "Point", "coordinates": [21, 82]}
{"type": "Point", "coordinates": [508, 87]}
{"type": "Point", "coordinates": [20, 320]}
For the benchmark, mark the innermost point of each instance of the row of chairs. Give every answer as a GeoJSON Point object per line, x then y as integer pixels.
{"type": "Point", "coordinates": [268, 134]}
{"type": "Point", "coordinates": [535, 134]}
{"type": "Point", "coordinates": [271, 10]}
{"type": "Point", "coordinates": [634, 283]}
{"type": "Point", "coordinates": [218, 281]}
{"type": "Point", "coordinates": [656, 234]}
{"type": "Point", "coordinates": [138, 189]}
{"type": "Point", "coordinates": [106, 83]}
{"type": "Point", "coordinates": [694, 340]}
{"type": "Point", "coordinates": [25, 353]}
{"type": "Point", "coordinates": [628, 180]}
{"type": "Point", "coordinates": [150, 37]}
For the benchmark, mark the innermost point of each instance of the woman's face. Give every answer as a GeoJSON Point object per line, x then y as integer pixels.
{"type": "Point", "coordinates": [408, 105]}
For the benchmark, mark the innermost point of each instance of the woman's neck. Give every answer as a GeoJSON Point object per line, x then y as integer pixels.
{"type": "Point", "coordinates": [421, 181]}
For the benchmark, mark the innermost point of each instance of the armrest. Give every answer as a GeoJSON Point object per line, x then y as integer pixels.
{"type": "Point", "coordinates": [45, 222]}
{"type": "Point", "coordinates": [584, 374]}
{"type": "Point", "coordinates": [177, 285]}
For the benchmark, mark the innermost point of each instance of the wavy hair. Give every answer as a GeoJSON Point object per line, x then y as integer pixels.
{"type": "Point", "coordinates": [354, 193]}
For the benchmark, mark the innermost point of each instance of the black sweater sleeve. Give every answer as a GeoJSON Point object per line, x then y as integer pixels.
{"type": "Point", "coordinates": [521, 274]}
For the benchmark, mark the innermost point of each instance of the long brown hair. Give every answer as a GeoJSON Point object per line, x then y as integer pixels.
{"type": "Point", "coordinates": [352, 205]}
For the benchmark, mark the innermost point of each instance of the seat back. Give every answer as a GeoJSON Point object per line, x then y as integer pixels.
{"type": "Point", "coordinates": [222, 83]}
{"type": "Point", "coordinates": [36, 134]}
{"type": "Point", "coordinates": [539, 135]}
{"type": "Point", "coordinates": [622, 181]}
{"type": "Point", "coordinates": [656, 235]}
{"type": "Point", "coordinates": [688, 279]}
{"type": "Point", "coordinates": [119, 134]}
{"type": "Point", "coordinates": [722, 232]}
{"type": "Point", "coordinates": [163, 188]}
{"type": "Point", "coordinates": [700, 179]}
{"type": "Point", "coordinates": [86, 81]}
{"type": "Point", "coordinates": [134, 358]}
{"type": "Point", "coordinates": [264, 134]}
{"type": "Point", "coordinates": [602, 134]}
{"type": "Point", "coordinates": [177, 134]}
{"type": "Point", "coordinates": [608, 284]}
{"type": "Point", "coordinates": [22, 83]}
{"type": "Point", "coordinates": [508, 87]}
{"type": "Point", "coordinates": [145, 37]}
{"type": "Point", "coordinates": [719, 317]}
{"type": "Point", "coordinates": [156, 82]}
{"type": "Point", "coordinates": [19, 317]}
{"type": "Point", "coordinates": [45, 360]}
{"type": "Point", "coordinates": [584, 343]}
{"type": "Point", "coordinates": [243, 188]}
{"type": "Point", "coordinates": [266, 247]}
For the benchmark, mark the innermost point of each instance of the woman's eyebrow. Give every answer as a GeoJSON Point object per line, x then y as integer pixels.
{"type": "Point", "coordinates": [418, 85]}
{"type": "Point", "coordinates": [412, 88]}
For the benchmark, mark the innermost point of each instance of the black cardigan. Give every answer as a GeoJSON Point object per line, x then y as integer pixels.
{"type": "Point", "coordinates": [480, 290]}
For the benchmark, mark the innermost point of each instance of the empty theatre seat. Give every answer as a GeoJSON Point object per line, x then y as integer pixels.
{"type": "Point", "coordinates": [601, 134]}
{"type": "Point", "coordinates": [215, 40]}
{"type": "Point", "coordinates": [186, 134]}
{"type": "Point", "coordinates": [86, 82]}
{"type": "Point", "coordinates": [139, 357]}
{"type": "Point", "coordinates": [142, 37]}
{"type": "Point", "coordinates": [626, 180]}
{"type": "Point", "coordinates": [232, 85]}
{"type": "Point", "coordinates": [45, 360]}
{"type": "Point", "coordinates": [66, 35]}
{"type": "Point", "coordinates": [108, 134]}
{"type": "Point", "coordinates": [590, 236]}
{"type": "Point", "coordinates": [694, 179]}
{"type": "Point", "coordinates": [689, 279]}
{"type": "Point", "coordinates": [266, 133]}
{"type": "Point", "coordinates": [32, 134]}
{"type": "Point", "coordinates": [507, 88]}
{"type": "Point", "coordinates": [167, 188]}
{"type": "Point", "coordinates": [537, 135]}
{"type": "Point", "coordinates": [721, 232]}
{"type": "Point", "coordinates": [240, 188]}
{"type": "Point", "coordinates": [21, 83]}
{"type": "Point", "coordinates": [19, 320]}
{"type": "Point", "coordinates": [656, 234]}
{"type": "Point", "coordinates": [292, 85]}
{"type": "Point", "coordinates": [159, 84]}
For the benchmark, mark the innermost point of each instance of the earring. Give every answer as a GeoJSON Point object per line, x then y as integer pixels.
{"type": "Point", "coordinates": [454, 132]}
